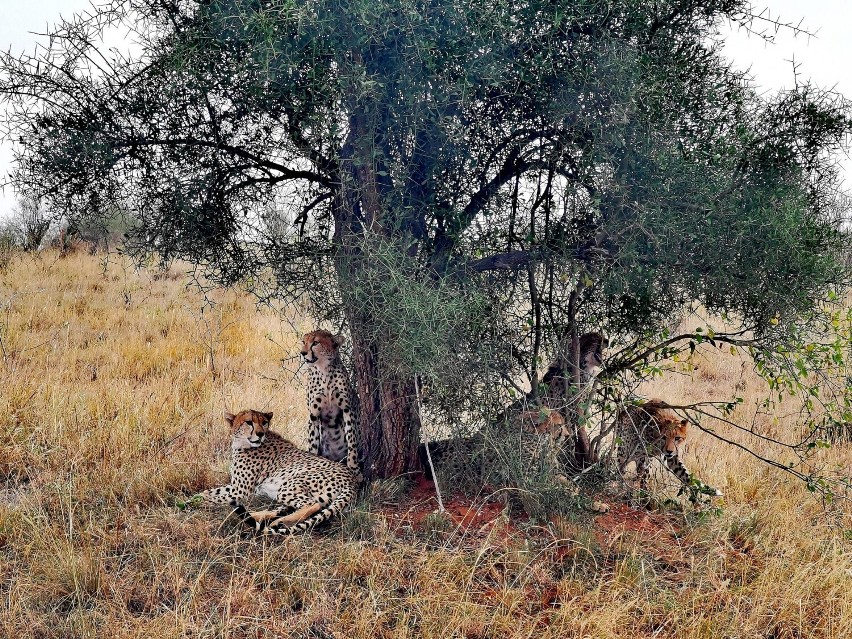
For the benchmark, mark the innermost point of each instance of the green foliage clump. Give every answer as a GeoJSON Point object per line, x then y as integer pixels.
{"type": "Point", "coordinates": [424, 323]}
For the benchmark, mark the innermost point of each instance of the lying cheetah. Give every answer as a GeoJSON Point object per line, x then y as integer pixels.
{"type": "Point", "coordinates": [650, 430]}
{"type": "Point", "coordinates": [503, 453]}
{"type": "Point", "coordinates": [333, 431]}
{"type": "Point", "coordinates": [265, 463]}
{"type": "Point", "coordinates": [531, 432]}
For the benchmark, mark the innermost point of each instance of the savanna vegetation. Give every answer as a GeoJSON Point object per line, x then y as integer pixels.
{"type": "Point", "coordinates": [463, 188]}
{"type": "Point", "coordinates": [113, 383]}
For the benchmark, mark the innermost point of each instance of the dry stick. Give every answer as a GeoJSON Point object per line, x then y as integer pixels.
{"type": "Point", "coordinates": [426, 446]}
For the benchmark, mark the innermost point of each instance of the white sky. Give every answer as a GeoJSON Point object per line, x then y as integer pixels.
{"type": "Point", "coordinates": [824, 58]}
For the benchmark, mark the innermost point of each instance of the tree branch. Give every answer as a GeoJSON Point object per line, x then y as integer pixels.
{"type": "Point", "coordinates": [287, 172]}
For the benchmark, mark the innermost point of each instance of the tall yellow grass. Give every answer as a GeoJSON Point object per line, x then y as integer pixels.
{"type": "Point", "coordinates": [113, 384]}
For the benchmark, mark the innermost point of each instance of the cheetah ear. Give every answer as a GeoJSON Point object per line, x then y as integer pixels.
{"type": "Point", "coordinates": [268, 416]}
{"type": "Point", "coordinates": [338, 340]}
{"type": "Point", "coordinates": [684, 423]}
{"type": "Point", "coordinates": [229, 418]}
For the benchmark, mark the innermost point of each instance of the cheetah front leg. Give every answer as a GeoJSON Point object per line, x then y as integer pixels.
{"type": "Point", "coordinates": [351, 437]}
{"type": "Point", "coordinates": [677, 468]}
{"type": "Point", "coordinates": [294, 496]}
{"type": "Point", "coordinates": [300, 514]}
{"type": "Point", "coordinates": [262, 519]}
{"type": "Point", "coordinates": [695, 485]}
{"type": "Point", "coordinates": [314, 425]}
{"type": "Point", "coordinates": [230, 494]}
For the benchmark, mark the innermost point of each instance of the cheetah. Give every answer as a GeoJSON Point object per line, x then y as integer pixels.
{"type": "Point", "coordinates": [333, 429]}
{"type": "Point", "coordinates": [650, 430]}
{"type": "Point", "coordinates": [531, 430]}
{"type": "Point", "coordinates": [551, 396]}
{"type": "Point", "coordinates": [592, 346]}
{"type": "Point", "coordinates": [265, 463]}
{"type": "Point", "coordinates": [502, 452]}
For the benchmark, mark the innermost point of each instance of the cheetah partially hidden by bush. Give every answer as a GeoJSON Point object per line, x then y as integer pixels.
{"type": "Point", "coordinates": [529, 438]}
{"type": "Point", "coordinates": [650, 430]}
{"type": "Point", "coordinates": [313, 488]}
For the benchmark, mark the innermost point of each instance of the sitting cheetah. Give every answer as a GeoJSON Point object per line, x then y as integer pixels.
{"type": "Point", "coordinates": [265, 463]}
{"type": "Point", "coordinates": [648, 430]}
{"type": "Point", "coordinates": [333, 428]}
{"type": "Point", "coordinates": [592, 346]}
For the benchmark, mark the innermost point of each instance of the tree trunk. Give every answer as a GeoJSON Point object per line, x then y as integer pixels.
{"type": "Point", "coordinates": [390, 425]}
{"type": "Point", "coordinates": [583, 456]}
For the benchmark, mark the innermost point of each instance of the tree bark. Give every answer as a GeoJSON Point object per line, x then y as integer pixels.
{"type": "Point", "coordinates": [390, 424]}
{"type": "Point", "coordinates": [583, 455]}
{"type": "Point", "coordinates": [389, 420]}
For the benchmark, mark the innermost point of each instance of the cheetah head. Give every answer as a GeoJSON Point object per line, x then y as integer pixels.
{"type": "Point", "coordinates": [542, 421]}
{"type": "Point", "coordinates": [674, 434]}
{"type": "Point", "coordinates": [592, 346]}
{"type": "Point", "coordinates": [248, 428]}
{"type": "Point", "coordinates": [671, 428]}
{"type": "Point", "coordinates": [321, 347]}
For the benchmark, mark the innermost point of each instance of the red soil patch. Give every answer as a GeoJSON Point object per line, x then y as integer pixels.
{"type": "Point", "coordinates": [656, 531]}
{"type": "Point", "coordinates": [469, 515]}
{"type": "Point", "coordinates": [622, 518]}
{"type": "Point", "coordinates": [476, 518]}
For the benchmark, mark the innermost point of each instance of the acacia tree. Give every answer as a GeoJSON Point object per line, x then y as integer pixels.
{"type": "Point", "coordinates": [465, 185]}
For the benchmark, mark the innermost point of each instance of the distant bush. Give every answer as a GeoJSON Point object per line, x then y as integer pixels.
{"type": "Point", "coordinates": [101, 235]}
{"type": "Point", "coordinates": [28, 225]}
{"type": "Point", "coordinates": [90, 236]}
{"type": "Point", "coordinates": [8, 247]}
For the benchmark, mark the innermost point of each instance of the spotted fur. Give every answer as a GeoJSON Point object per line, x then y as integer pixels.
{"type": "Point", "coordinates": [533, 427]}
{"type": "Point", "coordinates": [333, 428]}
{"type": "Point", "coordinates": [263, 462]}
{"type": "Point", "coordinates": [651, 430]}
{"type": "Point", "coordinates": [592, 346]}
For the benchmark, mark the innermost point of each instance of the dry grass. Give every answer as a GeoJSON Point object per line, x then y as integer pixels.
{"type": "Point", "coordinates": [113, 383]}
